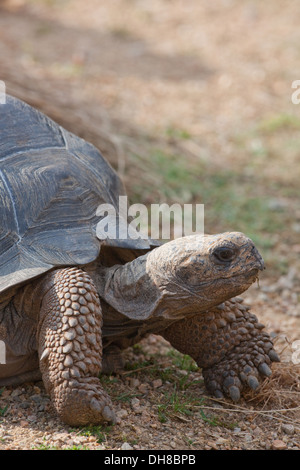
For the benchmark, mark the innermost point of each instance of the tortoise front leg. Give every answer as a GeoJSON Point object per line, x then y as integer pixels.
{"type": "Point", "coordinates": [70, 348]}
{"type": "Point", "coordinates": [228, 344]}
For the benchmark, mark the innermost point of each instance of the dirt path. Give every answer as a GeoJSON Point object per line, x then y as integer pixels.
{"type": "Point", "coordinates": [163, 88]}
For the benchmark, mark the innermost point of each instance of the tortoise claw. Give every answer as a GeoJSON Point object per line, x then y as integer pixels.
{"type": "Point", "coordinates": [264, 369]}
{"type": "Point", "coordinates": [218, 394]}
{"type": "Point", "coordinates": [109, 415]}
{"type": "Point", "coordinates": [273, 356]}
{"type": "Point", "coordinates": [234, 393]}
{"type": "Point", "coordinates": [253, 382]}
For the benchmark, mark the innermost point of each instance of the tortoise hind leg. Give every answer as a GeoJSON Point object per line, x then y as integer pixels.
{"type": "Point", "coordinates": [112, 361]}
{"type": "Point", "coordinates": [30, 376]}
{"type": "Point", "coordinates": [70, 348]}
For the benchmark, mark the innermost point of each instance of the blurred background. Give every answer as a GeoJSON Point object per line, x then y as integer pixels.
{"type": "Point", "coordinates": [189, 100]}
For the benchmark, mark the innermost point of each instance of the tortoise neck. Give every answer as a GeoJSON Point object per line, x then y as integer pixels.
{"type": "Point", "coordinates": [129, 289]}
{"type": "Point", "coordinates": [138, 292]}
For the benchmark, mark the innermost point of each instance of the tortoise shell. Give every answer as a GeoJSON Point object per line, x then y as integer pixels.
{"type": "Point", "coordinates": [51, 184]}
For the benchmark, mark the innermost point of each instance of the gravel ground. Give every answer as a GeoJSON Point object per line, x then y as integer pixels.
{"type": "Point", "coordinates": [161, 402]}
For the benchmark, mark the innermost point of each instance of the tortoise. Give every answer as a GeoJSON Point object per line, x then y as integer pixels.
{"type": "Point", "coordinates": [71, 301]}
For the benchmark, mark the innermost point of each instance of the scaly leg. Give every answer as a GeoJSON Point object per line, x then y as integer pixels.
{"type": "Point", "coordinates": [70, 348]}
{"type": "Point", "coordinates": [228, 344]}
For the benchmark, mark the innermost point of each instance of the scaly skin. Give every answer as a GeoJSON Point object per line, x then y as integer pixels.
{"type": "Point", "coordinates": [228, 344]}
{"type": "Point", "coordinates": [70, 348]}
{"type": "Point", "coordinates": [175, 290]}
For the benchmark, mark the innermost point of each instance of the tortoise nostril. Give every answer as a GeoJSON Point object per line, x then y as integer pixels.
{"type": "Point", "coordinates": [258, 257]}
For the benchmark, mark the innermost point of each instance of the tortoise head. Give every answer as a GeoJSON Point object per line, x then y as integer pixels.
{"type": "Point", "coordinates": [205, 270]}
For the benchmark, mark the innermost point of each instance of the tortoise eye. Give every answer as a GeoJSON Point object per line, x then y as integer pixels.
{"type": "Point", "coordinates": [224, 254]}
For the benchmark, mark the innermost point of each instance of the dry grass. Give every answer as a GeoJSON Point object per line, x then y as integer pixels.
{"type": "Point", "coordinates": [277, 399]}
{"type": "Point", "coordinates": [280, 392]}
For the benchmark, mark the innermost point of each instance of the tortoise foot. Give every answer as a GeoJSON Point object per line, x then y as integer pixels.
{"type": "Point", "coordinates": [82, 402]}
{"type": "Point", "coordinates": [243, 367]}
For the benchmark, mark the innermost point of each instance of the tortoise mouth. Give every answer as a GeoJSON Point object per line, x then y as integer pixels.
{"type": "Point", "coordinates": [253, 273]}
{"type": "Point", "coordinates": [248, 277]}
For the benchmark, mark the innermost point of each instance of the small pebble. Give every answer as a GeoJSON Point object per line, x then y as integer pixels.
{"type": "Point", "coordinates": [24, 424]}
{"type": "Point", "coordinates": [135, 401]}
{"type": "Point", "coordinates": [134, 383]}
{"type": "Point", "coordinates": [143, 388]}
{"type": "Point", "coordinates": [126, 446]}
{"type": "Point", "coordinates": [278, 445]}
{"type": "Point", "coordinates": [157, 383]}
{"type": "Point", "coordinates": [221, 441]}
{"type": "Point", "coordinates": [288, 429]}
{"type": "Point", "coordinates": [122, 414]}
{"type": "Point", "coordinates": [248, 437]}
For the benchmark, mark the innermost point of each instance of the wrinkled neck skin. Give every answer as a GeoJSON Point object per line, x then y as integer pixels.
{"type": "Point", "coordinates": [142, 289]}
{"type": "Point", "coordinates": [130, 290]}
